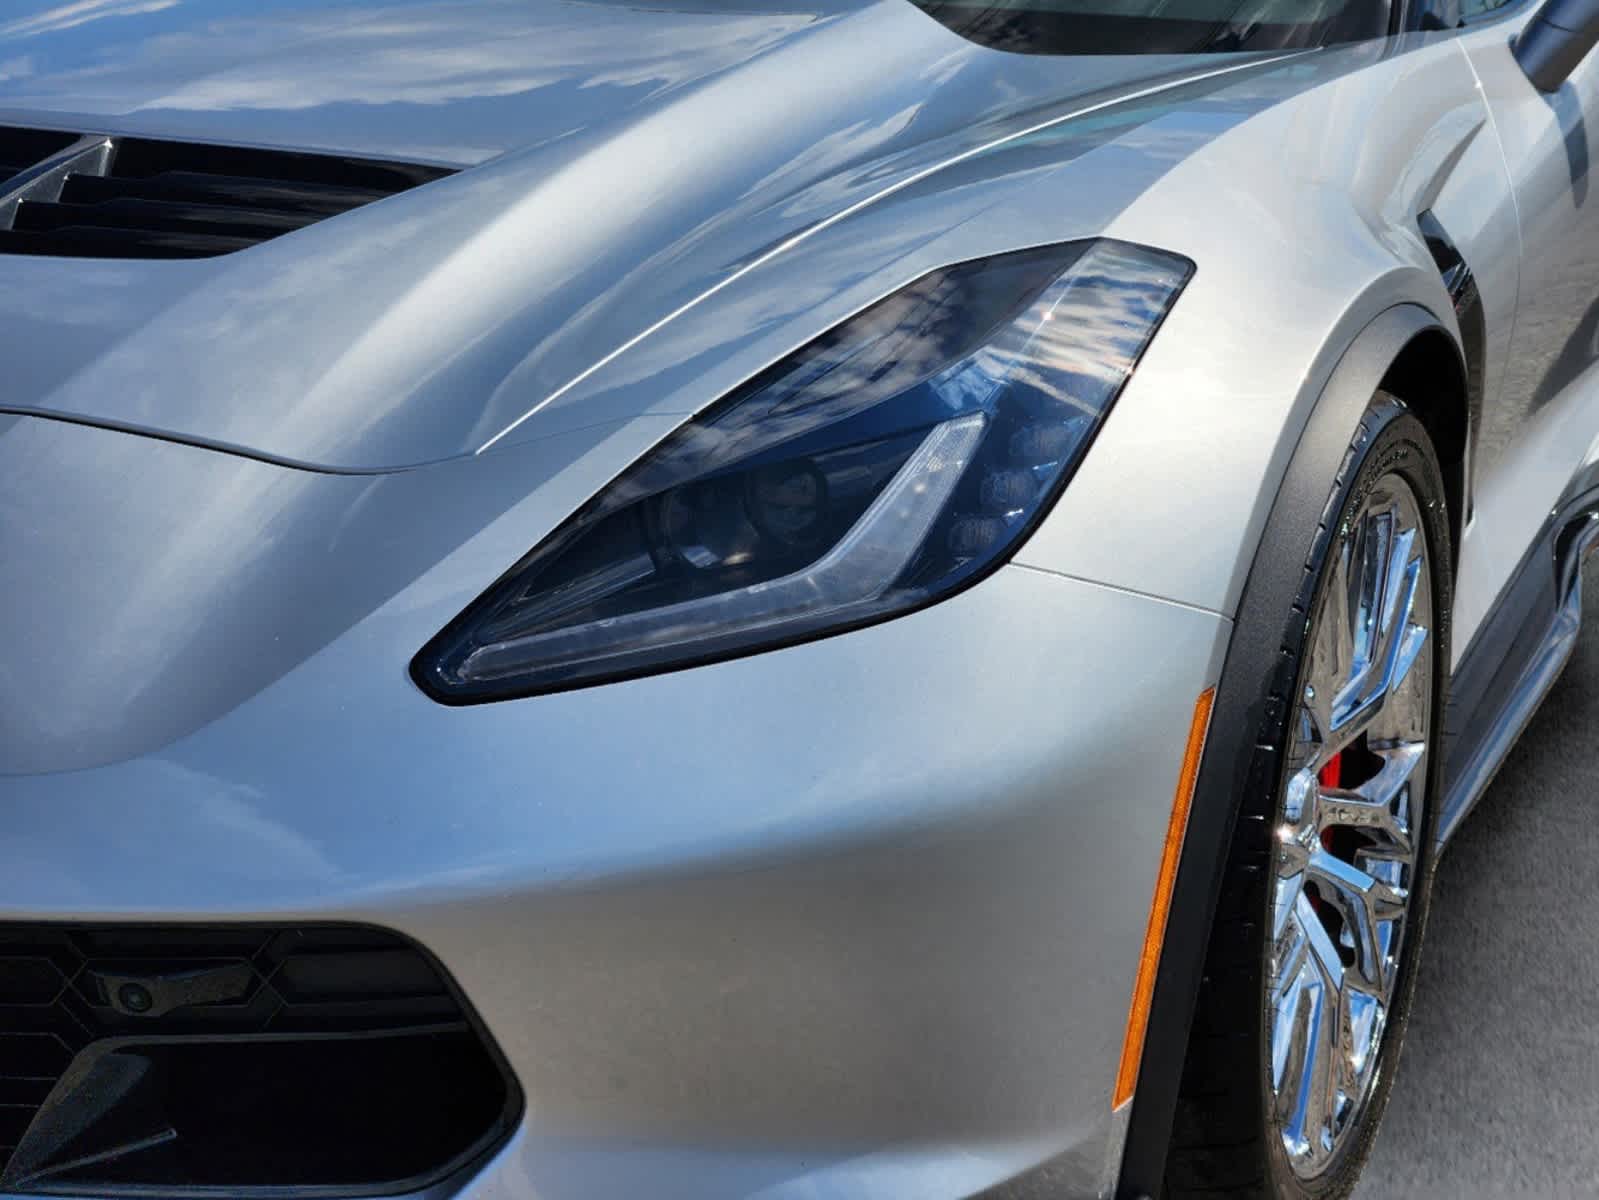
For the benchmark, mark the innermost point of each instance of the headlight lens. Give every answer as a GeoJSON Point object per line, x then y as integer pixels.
{"type": "Point", "coordinates": [882, 467]}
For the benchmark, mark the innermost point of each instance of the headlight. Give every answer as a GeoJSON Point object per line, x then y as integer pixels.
{"type": "Point", "coordinates": [886, 465]}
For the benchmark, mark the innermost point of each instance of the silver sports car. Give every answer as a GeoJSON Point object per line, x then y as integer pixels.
{"type": "Point", "coordinates": [773, 599]}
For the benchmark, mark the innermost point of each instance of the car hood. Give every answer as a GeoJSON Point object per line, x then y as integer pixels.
{"type": "Point", "coordinates": [623, 161]}
{"type": "Point", "coordinates": [457, 81]}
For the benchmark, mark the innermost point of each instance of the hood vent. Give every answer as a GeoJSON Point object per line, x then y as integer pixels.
{"type": "Point", "coordinates": [22, 149]}
{"type": "Point", "coordinates": [108, 197]}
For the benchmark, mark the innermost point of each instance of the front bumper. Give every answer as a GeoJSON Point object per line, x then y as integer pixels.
{"type": "Point", "coordinates": [858, 918]}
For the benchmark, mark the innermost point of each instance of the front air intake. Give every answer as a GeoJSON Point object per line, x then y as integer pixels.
{"type": "Point", "coordinates": [110, 197]}
{"type": "Point", "coordinates": [238, 1061]}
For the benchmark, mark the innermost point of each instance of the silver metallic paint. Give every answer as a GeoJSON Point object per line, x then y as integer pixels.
{"type": "Point", "coordinates": [166, 617]}
{"type": "Point", "coordinates": [1221, 435]}
{"type": "Point", "coordinates": [928, 930]}
{"type": "Point", "coordinates": [422, 328]}
{"type": "Point", "coordinates": [1537, 434]}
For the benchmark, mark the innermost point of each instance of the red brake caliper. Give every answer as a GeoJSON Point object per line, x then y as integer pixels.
{"type": "Point", "coordinates": [1328, 775]}
{"type": "Point", "coordinates": [1328, 778]}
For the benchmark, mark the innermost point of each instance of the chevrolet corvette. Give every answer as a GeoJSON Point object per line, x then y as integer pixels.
{"type": "Point", "coordinates": [789, 599]}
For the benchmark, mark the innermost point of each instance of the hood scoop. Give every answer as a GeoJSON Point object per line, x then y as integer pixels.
{"type": "Point", "coordinates": [67, 196]}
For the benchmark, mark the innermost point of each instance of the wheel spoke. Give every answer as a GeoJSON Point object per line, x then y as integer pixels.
{"type": "Point", "coordinates": [1399, 584]}
{"type": "Point", "coordinates": [1365, 1016]}
{"type": "Point", "coordinates": [1283, 904]}
{"type": "Point", "coordinates": [1304, 1122]}
{"type": "Point", "coordinates": [1327, 959]}
{"type": "Point", "coordinates": [1305, 1043]}
{"type": "Point", "coordinates": [1291, 960]}
{"type": "Point", "coordinates": [1375, 620]}
{"type": "Point", "coordinates": [1402, 639]}
{"type": "Point", "coordinates": [1380, 805]}
{"type": "Point", "coordinates": [1364, 903]}
{"type": "Point", "coordinates": [1385, 641]}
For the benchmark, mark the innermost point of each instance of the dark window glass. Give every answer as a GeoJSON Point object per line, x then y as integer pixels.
{"type": "Point", "coordinates": [1452, 14]}
{"type": "Point", "coordinates": [1161, 26]}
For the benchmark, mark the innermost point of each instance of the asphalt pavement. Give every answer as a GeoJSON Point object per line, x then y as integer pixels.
{"type": "Point", "coordinates": [1498, 1087]}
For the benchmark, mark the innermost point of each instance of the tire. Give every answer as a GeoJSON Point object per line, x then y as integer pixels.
{"type": "Point", "coordinates": [1229, 1136]}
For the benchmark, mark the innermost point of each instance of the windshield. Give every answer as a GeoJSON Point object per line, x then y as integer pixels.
{"type": "Point", "coordinates": [1160, 26]}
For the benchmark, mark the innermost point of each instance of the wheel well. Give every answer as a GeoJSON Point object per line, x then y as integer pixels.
{"type": "Point", "coordinates": [1430, 376]}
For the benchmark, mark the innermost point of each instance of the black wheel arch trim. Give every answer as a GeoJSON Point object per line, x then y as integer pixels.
{"type": "Point", "coordinates": [1252, 657]}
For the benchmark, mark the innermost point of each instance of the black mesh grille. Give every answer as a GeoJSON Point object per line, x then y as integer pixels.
{"type": "Point", "coordinates": [237, 1058]}
{"type": "Point", "coordinates": [184, 200]}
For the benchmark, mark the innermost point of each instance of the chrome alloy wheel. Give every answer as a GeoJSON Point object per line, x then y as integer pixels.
{"type": "Point", "coordinates": [1347, 843]}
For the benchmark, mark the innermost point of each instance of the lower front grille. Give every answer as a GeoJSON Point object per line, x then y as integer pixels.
{"type": "Point", "coordinates": [328, 1059]}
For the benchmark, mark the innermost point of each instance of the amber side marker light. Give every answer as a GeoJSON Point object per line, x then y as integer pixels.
{"type": "Point", "coordinates": [1160, 908]}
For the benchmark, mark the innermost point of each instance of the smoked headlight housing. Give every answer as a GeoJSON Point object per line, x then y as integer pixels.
{"type": "Point", "coordinates": [883, 467]}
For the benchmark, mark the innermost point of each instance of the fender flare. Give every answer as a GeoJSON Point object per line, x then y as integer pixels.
{"type": "Point", "coordinates": [1239, 712]}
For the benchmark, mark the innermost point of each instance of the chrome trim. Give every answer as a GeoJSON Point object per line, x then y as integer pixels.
{"type": "Point", "coordinates": [1576, 539]}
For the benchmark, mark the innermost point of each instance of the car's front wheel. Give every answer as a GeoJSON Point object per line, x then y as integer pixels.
{"type": "Point", "coordinates": [1311, 963]}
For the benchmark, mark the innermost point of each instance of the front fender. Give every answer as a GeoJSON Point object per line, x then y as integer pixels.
{"type": "Point", "coordinates": [1302, 223]}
